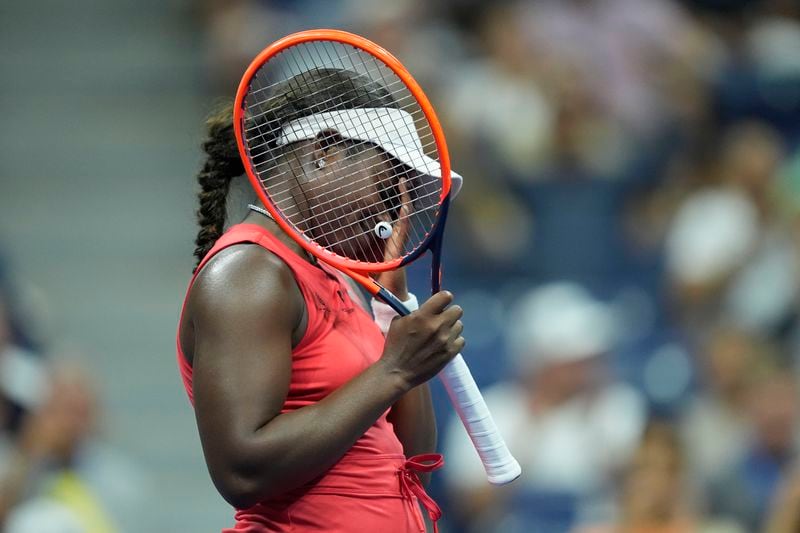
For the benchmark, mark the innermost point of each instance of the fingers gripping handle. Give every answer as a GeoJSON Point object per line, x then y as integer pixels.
{"type": "Point", "coordinates": [500, 465]}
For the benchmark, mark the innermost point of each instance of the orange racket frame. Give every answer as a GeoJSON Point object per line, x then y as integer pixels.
{"type": "Point", "coordinates": [351, 267]}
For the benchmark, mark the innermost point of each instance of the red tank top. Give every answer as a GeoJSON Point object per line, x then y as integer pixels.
{"type": "Point", "coordinates": [372, 487]}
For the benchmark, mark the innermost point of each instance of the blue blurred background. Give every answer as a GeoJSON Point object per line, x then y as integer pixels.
{"type": "Point", "coordinates": [625, 248]}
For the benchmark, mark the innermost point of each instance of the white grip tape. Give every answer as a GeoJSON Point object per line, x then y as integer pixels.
{"type": "Point", "coordinates": [500, 465]}
{"type": "Point", "coordinates": [384, 314]}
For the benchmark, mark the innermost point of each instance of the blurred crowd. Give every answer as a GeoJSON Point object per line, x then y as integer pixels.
{"type": "Point", "coordinates": [56, 473]}
{"type": "Point", "coordinates": [625, 246]}
{"type": "Point", "coordinates": [626, 249]}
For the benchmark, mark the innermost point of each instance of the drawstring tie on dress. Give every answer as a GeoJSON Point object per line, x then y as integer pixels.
{"type": "Point", "coordinates": [410, 485]}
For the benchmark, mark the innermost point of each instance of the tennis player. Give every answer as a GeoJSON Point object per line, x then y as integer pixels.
{"type": "Point", "coordinates": [311, 420]}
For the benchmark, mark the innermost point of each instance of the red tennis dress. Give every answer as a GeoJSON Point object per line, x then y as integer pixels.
{"type": "Point", "coordinates": [373, 487]}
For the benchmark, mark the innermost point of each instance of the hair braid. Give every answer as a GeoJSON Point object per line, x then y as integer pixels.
{"type": "Point", "coordinates": [221, 166]}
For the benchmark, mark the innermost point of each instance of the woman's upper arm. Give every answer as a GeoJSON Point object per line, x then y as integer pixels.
{"type": "Point", "coordinates": [245, 306]}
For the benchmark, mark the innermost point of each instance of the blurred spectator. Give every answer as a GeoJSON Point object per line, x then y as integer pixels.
{"type": "Point", "coordinates": [621, 48]}
{"type": "Point", "coordinates": [715, 425]}
{"type": "Point", "coordinates": [22, 388]}
{"type": "Point", "coordinates": [762, 78]}
{"type": "Point", "coordinates": [43, 516]}
{"type": "Point", "coordinates": [15, 329]}
{"type": "Point", "coordinates": [568, 422]}
{"type": "Point", "coordinates": [22, 376]}
{"type": "Point", "coordinates": [57, 472]}
{"type": "Point", "coordinates": [235, 34]}
{"type": "Point", "coordinates": [511, 135]}
{"type": "Point", "coordinates": [728, 251]}
{"type": "Point", "coordinates": [516, 129]}
{"type": "Point", "coordinates": [656, 494]}
{"type": "Point", "coordinates": [549, 141]}
{"type": "Point", "coordinates": [746, 491]}
{"type": "Point", "coordinates": [432, 48]}
{"type": "Point", "coordinates": [784, 514]}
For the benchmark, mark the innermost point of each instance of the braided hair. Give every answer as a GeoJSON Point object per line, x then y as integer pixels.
{"type": "Point", "coordinates": [310, 92]}
{"type": "Point", "coordinates": [221, 166]}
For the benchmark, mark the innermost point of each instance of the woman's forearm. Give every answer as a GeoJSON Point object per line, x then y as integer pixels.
{"type": "Point", "coordinates": [415, 423]}
{"type": "Point", "coordinates": [294, 448]}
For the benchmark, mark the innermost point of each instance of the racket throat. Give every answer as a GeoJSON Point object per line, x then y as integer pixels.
{"type": "Point", "coordinates": [392, 301]}
{"type": "Point", "coordinates": [436, 248]}
{"type": "Point", "coordinates": [436, 265]}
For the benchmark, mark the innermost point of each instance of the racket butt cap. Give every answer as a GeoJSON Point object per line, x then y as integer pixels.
{"type": "Point", "coordinates": [505, 474]}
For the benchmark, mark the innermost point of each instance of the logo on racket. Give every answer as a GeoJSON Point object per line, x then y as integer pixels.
{"type": "Point", "coordinates": [383, 230]}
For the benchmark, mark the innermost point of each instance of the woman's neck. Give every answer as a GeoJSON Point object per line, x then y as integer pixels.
{"type": "Point", "coordinates": [270, 225]}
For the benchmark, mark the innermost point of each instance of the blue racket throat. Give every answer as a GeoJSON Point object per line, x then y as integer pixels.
{"type": "Point", "coordinates": [432, 243]}
{"type": "Point", "coordinates": [436, 247]}
{"type": "Point", "coordinates": [434, 239]}
{"type": "Point", "coordinates": [392, 301]}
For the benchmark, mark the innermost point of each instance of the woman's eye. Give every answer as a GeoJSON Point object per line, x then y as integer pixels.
{"type": "Point", "coordinates": [355, 148]}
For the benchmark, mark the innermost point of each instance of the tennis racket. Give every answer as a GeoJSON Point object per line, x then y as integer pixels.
{"type": "Point", "coordinates": [346, 153]}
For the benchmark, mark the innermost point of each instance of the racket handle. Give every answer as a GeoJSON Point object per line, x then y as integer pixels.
{"type": "Point", "coordinates": [500, 465]}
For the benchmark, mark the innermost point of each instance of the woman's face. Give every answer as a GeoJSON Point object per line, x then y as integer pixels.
{"type": "Point", "coordinates": [340, 193]}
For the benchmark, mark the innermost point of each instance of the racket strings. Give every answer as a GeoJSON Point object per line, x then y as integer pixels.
{"type": "Point", "coordinates": [286, 74]}
{"type": "Point", "coordinates": [259, 166]}
{"type": "Point", "coordinates": [428, 200]}
{"type": "Point", "coordinates": [405, 100]}
{"type": "Point", "coordinates": [340, 208]}
{"type": "Point", "coordinates": [381, 70]}
{"type": "Point", "coordinates": [368, 180]}
{"type": "Point", "coordinates": [383, 212]}
{"type": "Point", "coordinates": [427, 139]}
{"type": "Point", "coordinates": [325, 104]}
{"type": "Point", "coordinates": [356, 236]}
{"type": "Point", "coordinates": [396, 167]}
{"type": "Point", "coordinates": [283, 198]}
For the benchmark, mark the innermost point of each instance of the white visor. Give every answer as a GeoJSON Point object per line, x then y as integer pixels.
{"type": "Point", "coordinates": [391, 129]}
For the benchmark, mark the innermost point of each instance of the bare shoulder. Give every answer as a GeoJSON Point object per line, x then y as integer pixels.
{"type": "Point", "coordinates": [242, 272]}
{"type": "Point", "coordinates": [245, 283]}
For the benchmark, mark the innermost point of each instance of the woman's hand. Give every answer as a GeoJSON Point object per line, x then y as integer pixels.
{"type": "Point", "coordinates": [419, 345]}
{"type": "Point", "coordinates": [395, 280]}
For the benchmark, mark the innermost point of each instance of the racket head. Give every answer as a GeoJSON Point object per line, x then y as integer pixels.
{"type": "Point", "coordinates": [400, 176]}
